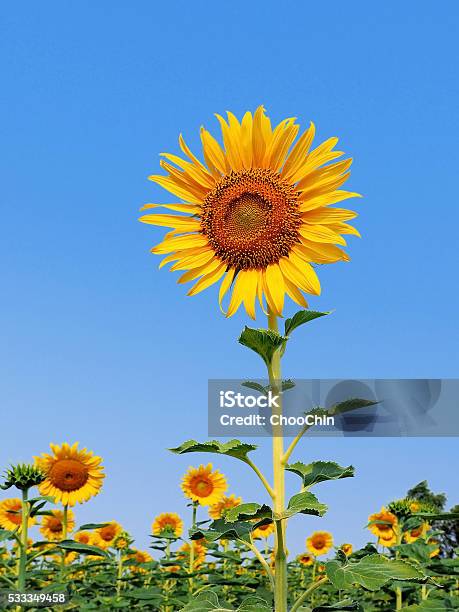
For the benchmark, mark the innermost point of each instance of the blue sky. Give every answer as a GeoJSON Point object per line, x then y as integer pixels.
{"type": "Point", "coordinates": [101, 347]}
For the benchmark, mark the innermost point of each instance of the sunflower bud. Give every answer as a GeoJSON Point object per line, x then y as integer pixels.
{"type": "Point", "coordinates": [23, 476]}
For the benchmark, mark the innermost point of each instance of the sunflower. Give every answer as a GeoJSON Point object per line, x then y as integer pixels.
{"type": "Point", "coordinates": [436, 551]}
{"type": "Point", "coordinates": [305, 559]}
{"type": "Point", "coordinates": [199, 553]}
{"type": "Point", "coordinates": [418, 532]}
{"type": "Point", "coordinates": [204, 485]}
{"type": "Point", "coordinates": [347, 549]}
{"type": "Point", "coordinates": [217, 510]}
{"type": "Point", "coordinates": [104, 537]}
{"type": "Point", "coordinates": [168, 523]}
{"type": "Point", "coordinates": [385, 524]}
{"type": "Point", "coordinates": [319, 543]}
{"type": "Point", "coordinates": [388, 539]}
{"type": "Point", "coordinates": [264, 531]}
{"type": "Point", "coordinates": [72, 475]}
{"type": "Point", "coordinates": [257, 214]}
{"type": "Point", "coordinates": [84, 537]}
{"type": "Point", "coordinates": [69, 557]}
{"type": "Point", "coordinates": [139, 556]}
{"type": "Point", "coordinates": [11, 514]}
{"type": "Point", "coordinates": [52, 526]}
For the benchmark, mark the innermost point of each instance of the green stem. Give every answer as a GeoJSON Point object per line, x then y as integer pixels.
{"type": "Point", "coordinates": [398, 590]}
{"type": "Point", "coordinates": [280, 563]}
{"type": "Point", "coordinates": [23, 542]}
{"type": "Point", "coordinates": [65, 522]}
{"type": "Point", "coordinates": [193, 522]}
{"type": "Point", "coordinates": [119, 574]}
{"type": "Point", "coordinates": [308, 592]}
{"type": "Point", "coordinates": [263, 562]}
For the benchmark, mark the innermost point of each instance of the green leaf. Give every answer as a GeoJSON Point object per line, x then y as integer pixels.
{"type": "Point", "coordinates": [430, 605]}
{"type": "Point", "coordinates": [233, 448]}
{"type": "Point", "coordinates": [265, 342]}
{"type": "Point", "coordinates": [248, 511]}
{"type": "Point", "coordinates": [207, 601]}
{"type": "Point", "coordinates": [221, 529]}
{"type": "Point", "coordinates": [90, 526]}
{"type": "Point", "coordinates": [251, 384]}
{"type": "Point", "coordinates": [300, 318]}
{"type": "Point", "coordinates": [5, 534]}
{"type": "Point", "coordinates": [303, 503]}
{"type": "Point", "coordinates": [441, 516]}
{"type": "Point", "coordinates": [418, 550]}
{"type": "Point", "coordinates": [350, 404]}
{"type": "Point", "coordinates": [143, 594]}
{"type": "Point", "coordinates": [320, 471]}
{"type": "Point", "coordinates": [345, 606]}
{"type": "Point", "coordinates": [84, 549]}
{"type": "Point", "coordinates": [372, 572]}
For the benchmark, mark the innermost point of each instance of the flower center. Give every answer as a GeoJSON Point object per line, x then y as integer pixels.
{"type": "Point", "coordinates": [319, 543]}
{"type": "Point", "coordinates": [107, 533]}
{"type": "Point", "coordinates": [68, 475]}
{"type": "Point", "coordinates": [55, 525]}
{"type": "Point", "coordinates": [203, 488]}
{"type": "Point", "coordinates": [251, 218]}
{"type": "Point", "coordinates": [15, 514]}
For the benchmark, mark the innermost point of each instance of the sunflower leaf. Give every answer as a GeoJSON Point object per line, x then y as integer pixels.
{"type": "Point", "coordinates": [233, 448]}
{"type": "Point", "coordinates": [350, 404]}
{"type": "Point", "coordinates": [431, 605]}
{"type": "Point", "coordinates": [265, 342]}
{"type": "Point", "coordinates": [247, 512]}
{"type": "Point", "coordinates": [344, 606]}
{"type": "Point", "coordinates": [208, 601]}
{"type": "Point", "coordinates": [5, 534]}
{"type": "Point", "coordinates": [90, 526]}
{"type": "Point", "coordinates": [320, 471]}
{"type": "Point", "coordinates": [251, 384]}
{"type": "Point", "coordinates": [221, 529]}
{"type": "Point", "coordinates": [303, 503]}
{"type": "Point", "coordinates": [300, 318]}
{"type": "Point", "coordinates": [78, 547]}
{"type": "Point", "coordinates": [441, 516]}
{"type": "Point", "coordinates": [372, 572]}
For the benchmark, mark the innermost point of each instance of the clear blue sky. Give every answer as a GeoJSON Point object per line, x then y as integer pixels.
{"type": "Point", "coordinates": [101, 347]}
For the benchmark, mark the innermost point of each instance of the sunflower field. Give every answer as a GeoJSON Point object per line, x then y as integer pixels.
{"type": "Point", "coordinates": [223, 556]}
{"type": "Point", "coordinates": [257, 216]}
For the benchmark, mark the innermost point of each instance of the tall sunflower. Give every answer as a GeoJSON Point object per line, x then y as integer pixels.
{"type": "Point", "coordinates": [264, 531]}
{"type": "Point", "coordinates": [11, 514]}
{"type": "Point", "coordinates": [418, 532]}
{"type": "Point", "coordinates": [383, 524]}
{"type": "Point", "coordinates": [168, 523]}
{"type": "Point", "coordinates": [204, 485]}
{"type": "Point", "coordinates": [52, 526]}
{"type": "Point", "coordinates": [319, 543]}
{"type": "Point", "coordinates": [258, 212]}
{"type": "Point", "coordinates": [72, 475]}
{"type": "Point", "coordinates": [227, 502]}
{"type": "Point", "coordinates": [105, 536]}
{"type": "Point", "coordinates": [305, 559]}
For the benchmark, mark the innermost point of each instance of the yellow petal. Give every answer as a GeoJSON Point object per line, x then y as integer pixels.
{"type": "Point", "coordinates": [320, 253]}
{"type": "Point", "coordinates": [193, 261]}
{"type": "Point", "coordinates": [294, 293]}
{"type": "Point", "coordinates": [178, 190]}
{"type": "Point", "coordinates": [208, 280]}
{"type": "Point", "coordinates": [246, 140]}
{"type": "Point", "coordinates": [180, 242]}
{"type": "Point", "coordinates": [344, 228]}
{"type": "Point", "coordinates": [320, 233]}
{"type": "Point", "coordinates": [186, 208]}
{"type": "Point", "coordinates": [231, 147]}
{"type": "Point", "coordinates": [226, 283]}
{"type": "Point", "coordinates": [301, 275]}
{"type": "Point", "coordinates": [187, 224]}
{"type": "Point", "coordinates": [261, 135]}
{"type": "Point", "coordinates": [298, 154]}
{"type": "Point", "coordinates": [213, 151]}
{"type": "Point", "coordinates": [328, 215]}
{"type": "Point", "coordinates": [275, 283]}
{"type": "Point", "coordinates": [250, 291]}
{"type": "Point", "coordinates": [326, 199]}
{"type": "Point", "coordinates": [202, 270]}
